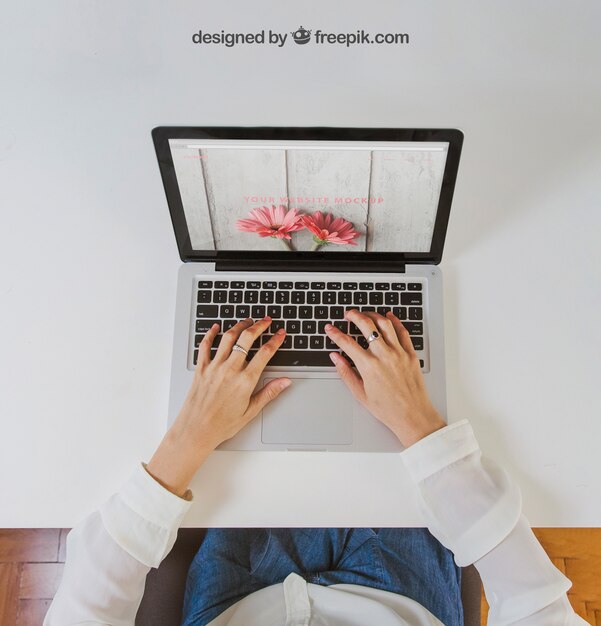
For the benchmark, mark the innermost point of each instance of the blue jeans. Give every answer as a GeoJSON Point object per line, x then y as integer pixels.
{"type": "Point", "coordinates": [232, 563]}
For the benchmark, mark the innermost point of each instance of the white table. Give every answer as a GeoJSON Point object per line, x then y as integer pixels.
{"type": "Point", "coordinates": [88, 260]}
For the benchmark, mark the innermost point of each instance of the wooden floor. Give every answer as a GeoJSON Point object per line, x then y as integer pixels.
{"type": "Point", "coordinates": [31, 565]}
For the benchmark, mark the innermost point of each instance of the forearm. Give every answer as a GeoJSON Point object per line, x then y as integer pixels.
{"type": "Point", "coordinates": [111, 551]}
{"type": "Point", "coordinates": [473, 507]}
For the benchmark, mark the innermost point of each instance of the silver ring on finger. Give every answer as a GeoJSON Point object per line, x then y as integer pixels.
{"type": "Point", "coordinates": [375, 335]}
{"type": "Point", "coordinates": [238, 348]}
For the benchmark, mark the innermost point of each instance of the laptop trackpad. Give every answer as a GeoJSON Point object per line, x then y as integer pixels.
{"type": "Point", "coordinates": [312, 411]}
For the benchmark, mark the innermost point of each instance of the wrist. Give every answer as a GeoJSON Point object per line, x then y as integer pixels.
{"type": "Point", "coordinates": [177, 459]}
{"type": "Point", "coordinates": [419, 429]}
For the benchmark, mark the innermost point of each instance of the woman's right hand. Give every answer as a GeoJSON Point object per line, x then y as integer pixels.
{"type": "Point", "coordinates": [389, 381]}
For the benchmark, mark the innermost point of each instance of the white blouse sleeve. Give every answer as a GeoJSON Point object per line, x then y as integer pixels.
{"type": "Point", "coordinates": [112, 550]}
{"type": "Point", "coordinates": [472, 506]}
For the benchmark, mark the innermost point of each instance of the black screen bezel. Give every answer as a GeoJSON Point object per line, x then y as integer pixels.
{"type": "Point", "coordinates": [162, 134]}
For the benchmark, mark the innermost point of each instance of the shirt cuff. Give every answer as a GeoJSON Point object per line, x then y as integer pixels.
{"type": "Point", "coordinates": [143, 517]}
{"type": "Point", "coordinates": [439, 450]}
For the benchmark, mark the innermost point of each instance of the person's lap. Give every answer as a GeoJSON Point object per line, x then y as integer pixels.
{"type": "Point", "coordinates": [232, 563]}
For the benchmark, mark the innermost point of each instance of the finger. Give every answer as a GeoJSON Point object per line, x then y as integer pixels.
{"type": "Point", "coordinates": [349, 376]}
{"type": "Point", "coordinates": [346, 343]}
{"type": "Point", "coordinates": [230, 338]}
{"type": "Point", "coordinates": [385, 328]}
{"type": "Point", "coordinates": [263, 397]}
{"type": "Point", "coordinates": [259, 362]}
{"type": "Point", "coordinates": [249, 335]}
{"type": "Point", "coordinates": [366, 325]}
{"type": "Point", "coordinates": [402, 334]}
{"type": "Point", "coordinates": [204, 348]}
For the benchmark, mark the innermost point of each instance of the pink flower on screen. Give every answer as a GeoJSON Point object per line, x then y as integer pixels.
{"type": "Point", "coordinates": [272, 221]}
{"type": "Point", "coordinates": [329, 229]}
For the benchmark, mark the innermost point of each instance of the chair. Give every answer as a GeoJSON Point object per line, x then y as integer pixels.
{"type": "Point", "coordinates": [164, 594]}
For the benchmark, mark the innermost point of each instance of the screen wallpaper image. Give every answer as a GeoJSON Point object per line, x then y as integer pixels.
{"type": "Point", "coordinates": [312, 197]}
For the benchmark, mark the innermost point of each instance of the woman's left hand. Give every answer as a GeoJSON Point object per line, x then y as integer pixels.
{"type": "Point", "coordinates": [220, 401]}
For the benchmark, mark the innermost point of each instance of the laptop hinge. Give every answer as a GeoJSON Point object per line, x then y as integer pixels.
{"type": "Point", "coordinates": [306, 265]}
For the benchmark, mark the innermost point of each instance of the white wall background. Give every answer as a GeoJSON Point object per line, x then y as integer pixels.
{"type": "Point", "coordinates": [88, 259]}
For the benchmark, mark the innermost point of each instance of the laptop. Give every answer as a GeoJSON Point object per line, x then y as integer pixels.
{"type": "Point", "coordinates": [301, 224]}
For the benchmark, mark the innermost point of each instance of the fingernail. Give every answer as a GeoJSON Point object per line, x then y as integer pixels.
{"type": "Point", "coordinates": [266, 318]}
{"type": "Point", "coordinates": [329, 327]}
{"type": "Point", "coordinates": [281, 331]}
{"type": "Point", "coordinates": [334, 357]}
{"type": "Point", "coordinates": [286, 383]}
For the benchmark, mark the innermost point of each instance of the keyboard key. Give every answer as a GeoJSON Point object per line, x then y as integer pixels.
{"type": "Point", "coordinates": [376, 298]}
{"type": "Point", "coordinates": [222, 284]}
{"type": "Point", "coordinates": [305, 312]}
{"type": "Point", "coordinates": [400, 312]}
{"type": "Point", "coordinates": [258, 312]}
{"type": "Point", "coordinates": [418, 342]}
{"type": "Point", "coordinates": [276, 325]}
{"type": "Point", "coordinates": [270, 284]}
{"type": "Point", "coordinates": [242, 311]}
{"type": "Point", "coordinates": [286, 345]}
{"type": "Point", "coordinates": [235, 297]}
{"type": "Point", "coordinates": [267, 297]}
{"type": "Point", "coordinates": [382, 286]}
{"type": "Point", "coordinates": [349, 286]}
{"type": "Point", "coordinates": [414, 328]}
{"type": "Point", "coordinates": [301, 342]}
{"type": "Point", "coordinates": [318, 285]}
{"type": "Point", "coordinates": [414, 286]}
{"type": "Point", "coordinates": [301, 285]}
{"type": "Point", "coordinates": [289, 312]}
{"type": "Point", "coordinates": [362, 341]}
{"type": "Point", "coordinates": [345, 297]}
{"type": "Point", "coordinates": [205, 284]}
{"type": "Point", "coordinates": [382, 310]}
{"type": "Point", "coordinates": [334, 286]}
{"type": "Point", "coordinates": [297, 297]}
{"type": "Point", "coordinates": [253, 284]}
{"type": "Point", "coordinates": [314, 297]}
{"type": "Point", "coordinates": [368, 309]}
{"type": "Point", "coordinates": [220, 296]}
{"type": "Point", "coordinates": [341, 325]}
{"type": "Point", "coordinates": [203, 296]}
{"type": "Point", "coordinates": [320, 312]}
{"type": "Point", "coordinates": [237, 284]}
{"type": "Point", "coordinates": [415, 313]}
{"type": "Point", "coordinates": [313, 358]}
{"type": "Point", "coordinates": [336, 312]}
{"type": "Point", "coordinates": [309, 327]}
{"type": "Point", "coordinates": [203, 325]}
{"type": "Point", "coordinates": [285, 285]}
{"type": "Point", "coordinates": [329, 297]}
{"type": "Point", "coordinates": [251, 297]}
{"type": "Point", "coordinates": [207, 310]}
{"type": "Point", "coordinates": [359, 297]}
{"type": "Point", "coordinates": [366, 286]}
{"type": "Point", "coordinates": [411, 298]}
{"type": "Point", "coordinates": [330, 345]}
{"type": "Point", "coordinates": [226, 311]}
{"type": "Point", "coordinates": [293, 327]}
{"type": "Point", "coordinates": [391, 298]}
{"type": "Point", "coordinates": [399, 286]}
{"type": "Point", "coordinates": [282, 297]}
{"type": "Point", "coordinates": [321, 326]}
{"type": "Point", "coordinates": [421, 362]}
{"type": "Point", "coordinates": [227, 324]}
{"type": "Point", "coordinates": [274, 311]}
{"type": "Point", "coordinates": [316, 342]}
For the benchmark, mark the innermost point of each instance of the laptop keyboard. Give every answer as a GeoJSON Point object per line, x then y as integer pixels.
{"type": "Point", "coordinates": [304, 308]}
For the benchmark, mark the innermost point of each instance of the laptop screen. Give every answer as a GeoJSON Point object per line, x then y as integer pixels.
{"type": "Point", "coordinates": [331, 196]}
